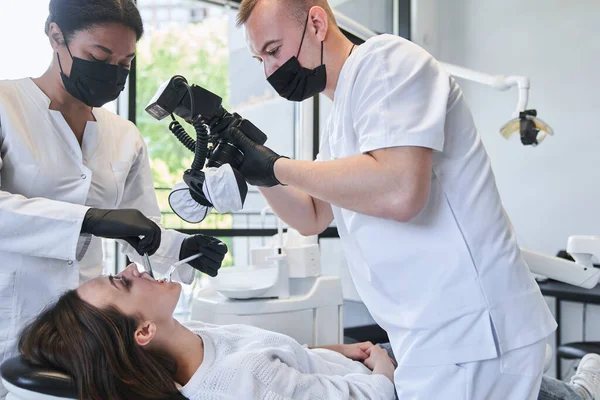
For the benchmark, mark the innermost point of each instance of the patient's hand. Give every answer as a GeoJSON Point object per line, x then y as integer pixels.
{"type": "Point", "coordinates": [356, 351]}
{"type": "Point", "coordinates": [380, 362]}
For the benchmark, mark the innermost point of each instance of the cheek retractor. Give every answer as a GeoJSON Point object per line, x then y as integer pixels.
{"type": "Point", "coordinates": [178, 264]}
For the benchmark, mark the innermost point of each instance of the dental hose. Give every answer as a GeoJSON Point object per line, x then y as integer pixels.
{"type": "Point", "coordinates": [181, 135]}
{"type": "Point", "coordinates": [193, 177]}
{"type": "Point", "coordinates": [199, 146]}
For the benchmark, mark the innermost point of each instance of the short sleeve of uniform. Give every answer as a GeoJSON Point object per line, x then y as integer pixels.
{"type": "Point", "coordinates": [399, 97]}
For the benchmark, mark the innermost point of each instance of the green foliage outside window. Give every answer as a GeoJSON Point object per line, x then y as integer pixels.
{"type": "Point", "coordinates": [199, 52]}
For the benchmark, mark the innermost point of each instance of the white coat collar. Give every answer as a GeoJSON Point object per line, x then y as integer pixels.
{"type": "Point", "coordinates": [40, 98]}
{"type": "Point", "coordinates": [92, 136]}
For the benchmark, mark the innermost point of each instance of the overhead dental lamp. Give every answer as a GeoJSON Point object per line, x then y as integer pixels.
{"type": "Point", "coordinates": [531, 129]}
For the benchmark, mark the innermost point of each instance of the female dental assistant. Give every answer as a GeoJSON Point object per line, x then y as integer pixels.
{"type": "Point", "coordinates": [71, 173]}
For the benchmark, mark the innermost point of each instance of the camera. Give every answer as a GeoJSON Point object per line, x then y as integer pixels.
{"type": "Point", "coordinates": [202, 109]}
{"type": "Point", "coordinates": [222, 186]}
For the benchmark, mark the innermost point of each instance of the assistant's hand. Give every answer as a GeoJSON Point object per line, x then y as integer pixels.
{"type": "Point", "coordinates": [259, 161]}
{"type": "Point", "coordinates": [212, 249]}
{"type": "Point", "coordinates": [127, 225]}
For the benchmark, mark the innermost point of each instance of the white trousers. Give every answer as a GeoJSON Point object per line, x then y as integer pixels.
{"type": "Point", "coordinates": [516, 375]}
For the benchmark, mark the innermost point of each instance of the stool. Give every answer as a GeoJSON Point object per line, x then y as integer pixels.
{"type": "Point", "coordinates": [27, 381]}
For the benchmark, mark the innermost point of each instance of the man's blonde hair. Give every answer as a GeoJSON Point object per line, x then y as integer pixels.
{"type": "Point", "coordinates": [298, 9]}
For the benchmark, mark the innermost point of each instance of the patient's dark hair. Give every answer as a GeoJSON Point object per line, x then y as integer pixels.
{"type": "Point", "coordinates": [97, 348]}
{"type": "Point", "coordinates": [75, 15]}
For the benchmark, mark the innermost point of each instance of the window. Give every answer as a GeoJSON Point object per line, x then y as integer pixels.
{"type": "Point", "coordinates": [28, 53]}
{"type": "Point", "coordinates": [374, 14]}
{"type": "Point", "coordinates": [201, 43]}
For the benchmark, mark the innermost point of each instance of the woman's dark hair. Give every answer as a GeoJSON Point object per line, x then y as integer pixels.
{"type": "Point", "coordinates": [97, 348]}
{"type": "Point", "coordinates": [76, 15]}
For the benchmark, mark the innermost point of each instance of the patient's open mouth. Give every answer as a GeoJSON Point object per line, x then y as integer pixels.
{"type": "Point", "coordinates": [161, 281]}
{"type": "Point", "coordinates": [146, 275]}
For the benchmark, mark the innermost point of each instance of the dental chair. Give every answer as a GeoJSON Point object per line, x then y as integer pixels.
{"type": "Point", "coordinates": [26, 381]}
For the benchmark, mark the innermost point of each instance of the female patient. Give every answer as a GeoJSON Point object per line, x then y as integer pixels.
{"type": "Point", "coordinates": [117, 337]}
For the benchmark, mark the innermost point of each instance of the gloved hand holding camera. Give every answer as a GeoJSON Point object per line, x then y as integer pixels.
{"type": "Point", "coordinates": [259, 161]}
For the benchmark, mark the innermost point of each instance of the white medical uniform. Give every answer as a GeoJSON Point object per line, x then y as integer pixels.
{"type": "Point", "coordinates": [450, 286]}
{"type": "Point", "coordinates": [47, 184]}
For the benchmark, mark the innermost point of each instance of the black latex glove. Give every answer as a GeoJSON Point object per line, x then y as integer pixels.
{"type": "Point", "coordinates": [127, 225]}
{"type": "Point", "coordinates": [259, 161]}
{"type": "Point", "coordinates": [212, 249]}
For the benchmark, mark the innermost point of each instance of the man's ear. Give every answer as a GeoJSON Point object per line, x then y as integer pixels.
{"type": "Point", "coordinates": [56, 36]}
{"type": "Point", "coordinates": [319, 21]}
{"type": "Point", "coordinates": [145, 333]}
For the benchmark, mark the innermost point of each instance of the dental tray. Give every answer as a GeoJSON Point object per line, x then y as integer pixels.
{"type": "Point", "coordinates": [245, 282]}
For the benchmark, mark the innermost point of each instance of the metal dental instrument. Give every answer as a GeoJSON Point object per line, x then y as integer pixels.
{"type": "Point", "coordinates": [179, 264]}
{"type": "Point", "coordinates": [148, 266]}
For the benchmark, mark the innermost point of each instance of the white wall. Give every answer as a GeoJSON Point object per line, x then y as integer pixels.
{"type": "Point", "coordinates": [374, 14]}
{"type": "Point", "coordinates": [24, 47]}
{"type": "Point", "coordinates": [552, 191]}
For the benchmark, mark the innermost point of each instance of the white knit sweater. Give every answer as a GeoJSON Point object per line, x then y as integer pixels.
{"type": "Point", "coordinates": [242, 362]}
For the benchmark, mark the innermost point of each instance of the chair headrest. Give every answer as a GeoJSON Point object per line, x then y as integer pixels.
{"type": "Point", "coordinates": [25, 375]}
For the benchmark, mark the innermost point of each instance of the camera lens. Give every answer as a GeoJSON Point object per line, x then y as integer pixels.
{"type": "Point", "coordinates": [225, 153]}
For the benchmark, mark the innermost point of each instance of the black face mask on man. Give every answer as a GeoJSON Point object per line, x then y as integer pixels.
{"type": "Point", "coordinates": [95, 83]}
{"type": "Point", "coordinates": [296, 83]}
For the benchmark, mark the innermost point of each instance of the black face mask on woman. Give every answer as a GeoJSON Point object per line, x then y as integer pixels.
{"type": "Point", "coordinates": [296, 83]}
{"type": "Point", "coordinates": [95, 83]}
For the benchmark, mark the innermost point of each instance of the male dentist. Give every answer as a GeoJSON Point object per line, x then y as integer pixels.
{"type": "Point", "coordinates": [404, 174]}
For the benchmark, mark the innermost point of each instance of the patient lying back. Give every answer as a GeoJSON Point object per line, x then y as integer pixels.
{"type": "Point", "coordinates": [252, 363]}
{"type": "Point", "coordinates": [118, 339]}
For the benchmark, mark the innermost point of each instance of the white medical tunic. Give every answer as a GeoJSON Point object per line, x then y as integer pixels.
{"type": "Point", "coordinates": [47, 184]}
{"type": "Point", "coordinates": [450, 286]}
